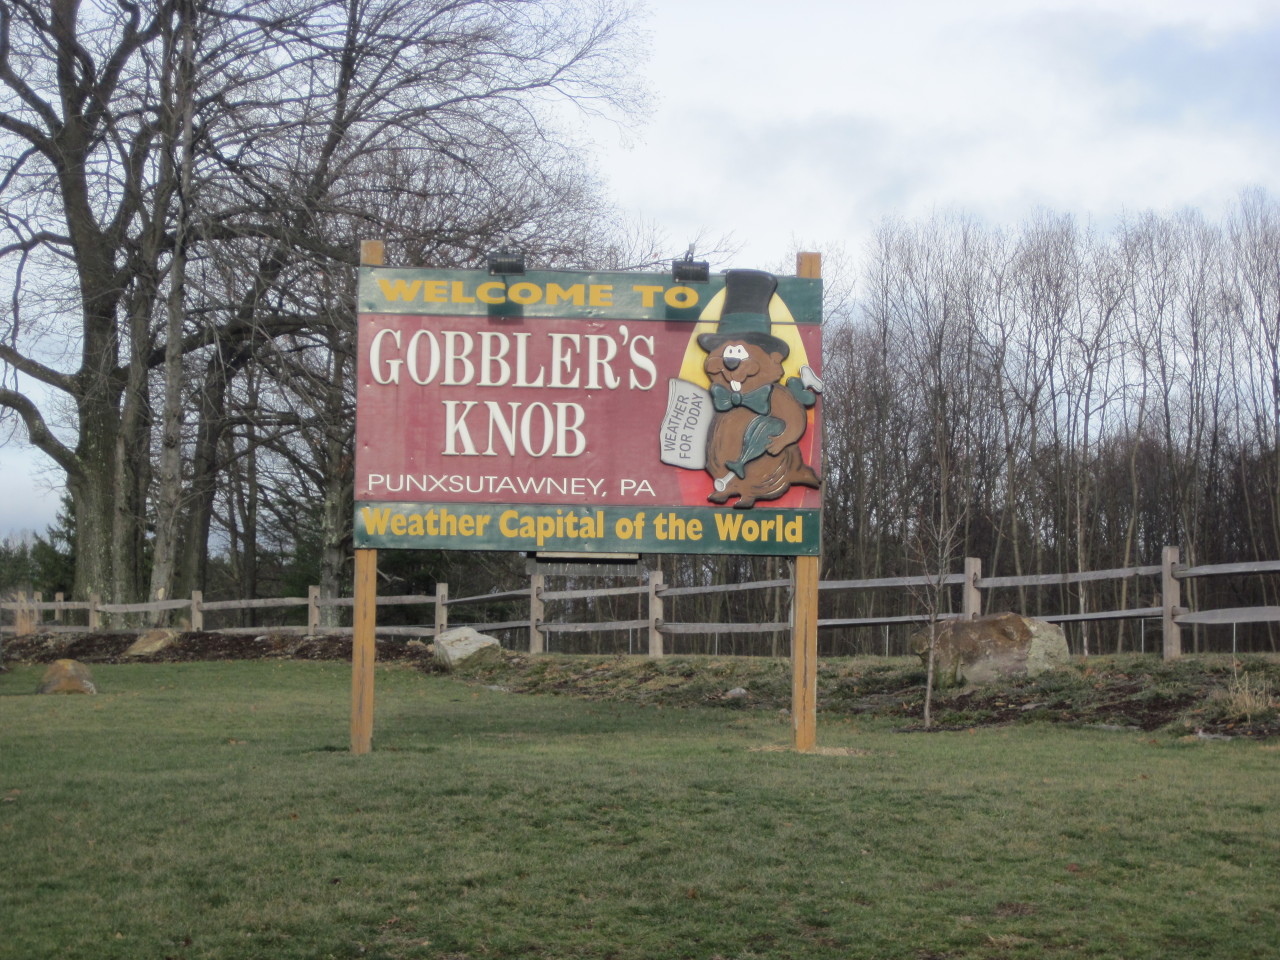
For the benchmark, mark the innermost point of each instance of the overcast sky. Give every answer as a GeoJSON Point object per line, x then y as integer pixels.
{"type": "Point", "coordinates": [810, 121]}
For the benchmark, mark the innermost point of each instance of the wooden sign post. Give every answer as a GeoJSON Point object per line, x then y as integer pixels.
{"type": "Point", "coordinates": [804, 609]}
{"type": "Point", "coordinates": [364, 618]}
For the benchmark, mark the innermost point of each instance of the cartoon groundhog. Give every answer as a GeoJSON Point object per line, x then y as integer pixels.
{"type": "Point", "coordinates": [751, 447]}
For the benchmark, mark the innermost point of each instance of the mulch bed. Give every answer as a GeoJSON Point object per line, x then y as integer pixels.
{"type": "Point", "coordinates": [1145, 695]}
{"type": "Point", "coordinates": [111, 647]}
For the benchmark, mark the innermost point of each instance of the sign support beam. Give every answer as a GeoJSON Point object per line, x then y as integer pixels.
{"type": "Point", "coordinates": [364, 620]}
{"type": "Point", "coordinates": [363, 650]}
{"type": "Point", "coordinates": [804, 609]}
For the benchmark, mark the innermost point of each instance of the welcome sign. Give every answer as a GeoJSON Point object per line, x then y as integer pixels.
{"type": "Point", "coordinates": [563, 411]}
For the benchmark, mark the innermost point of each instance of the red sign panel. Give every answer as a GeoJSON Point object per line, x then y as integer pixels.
{"type": "Point", "coordinates": [483, 392]}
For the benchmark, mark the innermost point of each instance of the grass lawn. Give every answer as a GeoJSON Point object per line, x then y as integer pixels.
{"type": "Point", "coordinates": [202, 810]}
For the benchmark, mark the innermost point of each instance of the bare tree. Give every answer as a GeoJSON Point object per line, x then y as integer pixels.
{"type": "Point", "coordinates": [934, 545]}
{"type": "Point", "coordinates": [142, 144]}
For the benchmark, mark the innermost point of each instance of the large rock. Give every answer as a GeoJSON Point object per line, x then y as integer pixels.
{"type": "Point", "coordinates": [998, 645]}
{"type": "Point", "coordinates": [464, 643]}
{"type": "Point", "coordinates": [67, 676]}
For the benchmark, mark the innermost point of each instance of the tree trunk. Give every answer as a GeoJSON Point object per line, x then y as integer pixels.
{"type": "Point", "coordinates": [169, 494]}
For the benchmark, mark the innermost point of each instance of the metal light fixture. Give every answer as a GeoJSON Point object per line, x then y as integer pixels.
{"type": "Point", "coordinates": [506, 262]}
{"type": "Point", "coordinates": [689, 270]}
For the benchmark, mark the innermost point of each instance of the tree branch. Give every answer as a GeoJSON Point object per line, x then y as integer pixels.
{"type": "Point", "coordinates": [37, 371]}
{"type": "Point", "coordinates": [38, 432]}
{"type": "Point", "coordinates": [28, 132]}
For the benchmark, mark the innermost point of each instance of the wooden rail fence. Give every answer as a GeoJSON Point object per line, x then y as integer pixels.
{"type": "Point", "coordinates": [30, 613]}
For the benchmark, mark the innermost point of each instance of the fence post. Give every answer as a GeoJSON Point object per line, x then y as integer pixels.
{"type": "Point", "coordinates": [972, 595]}
{"type": "Point", "coordinates": [313, 610]}
{"type": "Point", "coordinates": [197, 610]}
{"type": "Point", "coordinates": [442, 608]}
{"type": "Point", "coordinates": [1171, 600]}
{"type": "Point", "coordinates": [22, 616]}
{"type": "Point", "coordinates": [95, 615]}
{"type": "Point", "coordinates": [655, 613]}
{"type": "Point", "coordinates": [57, 613]}
{"type": "Point", "coordinates": [537, 611]}
{"type": "Point", "coordinates": [37, 615]}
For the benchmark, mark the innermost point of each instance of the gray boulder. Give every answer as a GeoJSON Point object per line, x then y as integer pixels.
{"type": "Point", "coordinates": [459, 644]}
{"type": "Point", "coordinates": [988, 648]}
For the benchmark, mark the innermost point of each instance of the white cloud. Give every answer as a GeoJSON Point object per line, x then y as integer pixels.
{"type": "Point", "coordinates": [818, 119]}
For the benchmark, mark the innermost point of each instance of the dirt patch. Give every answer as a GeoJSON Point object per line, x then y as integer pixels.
{"type": "Point", "coordinates": [817, 751]}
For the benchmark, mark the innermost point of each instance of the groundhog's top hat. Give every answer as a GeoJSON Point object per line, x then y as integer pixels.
{"type": "Point", "coordinates": [745, 314]}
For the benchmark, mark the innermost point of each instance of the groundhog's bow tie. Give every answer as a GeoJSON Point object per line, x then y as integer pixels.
{"type": "Point", "coordinates": [757, 401]}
